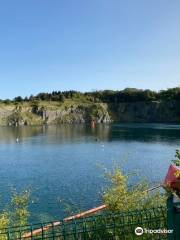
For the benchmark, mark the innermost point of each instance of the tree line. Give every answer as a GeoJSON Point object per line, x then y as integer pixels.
{"type": "Point", "coordinates": [106, 96]}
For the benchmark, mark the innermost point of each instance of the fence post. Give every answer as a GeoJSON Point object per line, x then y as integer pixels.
{"type": "Point", "coordinates": [173, 217]}
{"type": "Point", "coordinates": [170, 217]}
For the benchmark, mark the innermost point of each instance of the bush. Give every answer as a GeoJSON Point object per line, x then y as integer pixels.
{"type": "Point", "coordinates": [17, 213]}
{"type": "Point", "coordinates": [119, 197]}
{"type": "Point", "coordinates": [177, 156]}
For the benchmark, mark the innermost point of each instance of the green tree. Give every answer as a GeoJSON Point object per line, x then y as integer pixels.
{"type": "Point", "coordinates": [7, 101]}
{"type": "Point", "coordinates": [19, 204]}
{"type": "Point", "coordinates": [18, 99]}
{"type": "Point", "coordinates": [119, 197]}
{"type": "Point", "coordinates": [16, 214]}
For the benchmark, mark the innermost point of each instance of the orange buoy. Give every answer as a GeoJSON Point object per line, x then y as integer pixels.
{"type": "Point", "coordinates": [93, 124]}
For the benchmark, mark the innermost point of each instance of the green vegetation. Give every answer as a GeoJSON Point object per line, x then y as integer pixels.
{"type": "Point", "coordinates": [177, 160]}
{"type": "Point", "coordinates": [127, 208]}
{"type": "Point", "coordinates": [119, 226]}
{"type": "Point", "coordinates": [17, 213]}
{"type": "Point", "coordinates": [119, 197]}
{"type": "Point", "coordinates": [106, 96]}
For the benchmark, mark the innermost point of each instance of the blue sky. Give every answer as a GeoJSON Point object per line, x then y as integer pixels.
{"type": "Point", "coordinates": [88, 44]}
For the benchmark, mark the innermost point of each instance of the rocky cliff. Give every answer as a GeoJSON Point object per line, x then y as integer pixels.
{"type": "Point", "coordinates": [164, 112]}
{"type": "Point", "coordinates": [53, 114]}
{"type": "Point", "coordinates": [58, 113]}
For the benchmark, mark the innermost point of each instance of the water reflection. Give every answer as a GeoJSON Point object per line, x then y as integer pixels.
{"type": "Point", "coordinates": [102, 132]}
{"type": "Point", "coordinates": [10, 134]}
{"type": "Point", "coordinates": [146, 132]}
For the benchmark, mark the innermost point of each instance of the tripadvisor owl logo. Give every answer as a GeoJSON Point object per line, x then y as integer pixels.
{"type": "Point", "coordinates": [139, 231]}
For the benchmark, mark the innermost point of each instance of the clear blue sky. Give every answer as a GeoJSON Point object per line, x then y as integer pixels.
{"type": "Point", "coordinates": [84, 45]}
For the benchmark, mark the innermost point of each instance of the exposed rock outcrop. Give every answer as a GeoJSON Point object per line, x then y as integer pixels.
{"type": "Point", "coordinates": [148, 112]}
{"type": "Point", "coordinates": [56, 113]}
{"type": "Point", "coordinates": [38, 115]}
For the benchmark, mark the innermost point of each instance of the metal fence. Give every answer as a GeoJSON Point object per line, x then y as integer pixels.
{"type": "Point", "coordinates": [106, 226]}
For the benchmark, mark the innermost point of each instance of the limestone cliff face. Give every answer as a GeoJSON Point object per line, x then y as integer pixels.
{"type": "Point", "coordinates": [148, 112]}
{"type": "Point", "coordinates": [24, 114]}
{"type": "Point", "coordinates": [77, 113]}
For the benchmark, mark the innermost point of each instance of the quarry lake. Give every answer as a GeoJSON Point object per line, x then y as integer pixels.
{"type": "Point", "coordinates": [63, 166]}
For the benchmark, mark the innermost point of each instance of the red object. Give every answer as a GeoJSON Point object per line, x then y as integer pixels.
{"type": "Point", "coordinates": [93, 124]}
{"type": "Point", "coordinates": [171, 179]}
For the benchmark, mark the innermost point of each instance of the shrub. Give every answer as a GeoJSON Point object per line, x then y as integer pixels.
{"type": "Point", "coordinates": [17, 213]}
{"type": "Point", "coordinates": [119, 197]}
{"type": "Point", "coordinates": [177, 156]}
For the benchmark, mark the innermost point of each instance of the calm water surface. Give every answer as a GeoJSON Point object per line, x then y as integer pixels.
{"type": "Point", "coordinates": [64, 166]}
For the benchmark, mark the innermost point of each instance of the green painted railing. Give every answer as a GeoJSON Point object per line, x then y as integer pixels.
{"type": "Point", "coordinates": [106, 226]}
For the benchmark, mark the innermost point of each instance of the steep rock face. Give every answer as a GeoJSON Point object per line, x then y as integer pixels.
{"type": "Point", "coordinates": [5, 112]}
{"type": "Point", "coordinates": [77, 114]}
{"type": "Point", "coordinates": [148, 112]}
{"type": "Point", "coordinates": [168, 111]}
{"type": "Point", "coordinates": [38, 115]}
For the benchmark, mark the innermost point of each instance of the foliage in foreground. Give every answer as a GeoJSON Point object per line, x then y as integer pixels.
{"type": "Point", "coordinates": [17, 213]}
{"type": "Point", "coordinates": [120, 226]}
{"type": "Point", "coordinates": [119, 197]}
{"type": "Point", "coordinates": [177, 156]}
